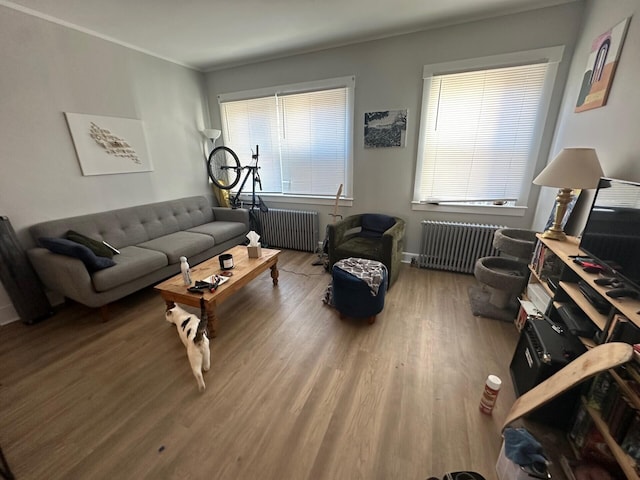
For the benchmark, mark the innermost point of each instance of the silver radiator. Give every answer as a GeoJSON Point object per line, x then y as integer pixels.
{"type": "Point", "coordinates": [455, 246]}
{"type": "Point", "coordinates": [293, 229]}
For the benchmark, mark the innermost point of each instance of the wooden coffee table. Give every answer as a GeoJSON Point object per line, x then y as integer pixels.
{"type": "Point", "coordinates": [244, 270]}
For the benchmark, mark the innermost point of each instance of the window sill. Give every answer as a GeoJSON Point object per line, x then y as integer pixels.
{"type": "Point", "coordinates": [496, 210]}
{"type": "Point", "coordinates": [301, 200]}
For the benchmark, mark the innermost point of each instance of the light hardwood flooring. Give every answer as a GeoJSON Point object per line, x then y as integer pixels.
{"type": "Point", "coordinates": [293, 392]}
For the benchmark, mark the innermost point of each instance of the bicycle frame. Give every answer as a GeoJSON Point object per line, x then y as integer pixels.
{"type": "Point", "coordinates": [253, 171]}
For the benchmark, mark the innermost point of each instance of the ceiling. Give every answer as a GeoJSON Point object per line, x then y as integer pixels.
{"type": "Point", "coordinates": [210, 34]}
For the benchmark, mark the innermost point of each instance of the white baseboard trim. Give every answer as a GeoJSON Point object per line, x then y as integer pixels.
{"type": "Point", "coordinates": [409, 258]}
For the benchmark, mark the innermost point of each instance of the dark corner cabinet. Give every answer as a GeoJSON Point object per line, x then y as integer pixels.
{"type": "Point", "coordinates": [19, 279]}
{"type": "Point", "coordinates": [558, 294]}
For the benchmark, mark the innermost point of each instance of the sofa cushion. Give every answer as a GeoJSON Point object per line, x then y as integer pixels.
{"type": "Point", "coordinates": [360, 247]}
{"type": "Point", "coordinates": [220, 231]}
{"type": "Point", "coordinates": [70, 248]}
{"type": "Point", "coordinates": [375, 224]}
{"type": "Point", "coordinates": [97, 247]}
{"type": "Point", "coordinates": [178, 244]}
{"type": "Point", "coordinates": [130, 264]}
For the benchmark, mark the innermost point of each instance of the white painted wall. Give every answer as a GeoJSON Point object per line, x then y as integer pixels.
{"type": "Point", "coordinates": [613, 129]}
{"type": "Point", "coordinates": [389, 76]}
{"type": "Point", "coordinates": [47, 69]}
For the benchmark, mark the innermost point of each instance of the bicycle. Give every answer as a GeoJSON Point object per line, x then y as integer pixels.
{"type": "Point", "coordinates": [225, 171]}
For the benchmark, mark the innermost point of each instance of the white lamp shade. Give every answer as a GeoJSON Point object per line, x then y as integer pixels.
{"type": "Point", "coordinates": [572, 168]}
{"type": "Point", "coordinates": [211, 133]}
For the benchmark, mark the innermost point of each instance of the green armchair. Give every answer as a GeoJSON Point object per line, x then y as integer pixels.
{"type": "Point", "coordinates": [368, 235]}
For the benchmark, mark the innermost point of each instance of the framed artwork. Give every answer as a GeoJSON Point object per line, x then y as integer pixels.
{"type": "Point", "coordinates": [601, 67]}
{"type": "Point", "coordinates": [387, 128]}
{"type": "Point", "coordinates": [108, 145]}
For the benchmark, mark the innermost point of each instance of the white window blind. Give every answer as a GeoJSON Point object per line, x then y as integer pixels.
{"type": "Point", "coordinates": [617, 194]}
{"type": "Point", "coordinates": [252, 122]}
{"type": "Point", "coordinates": [480, 131]}
{"type": "Point", "coordinates": [304, 138]}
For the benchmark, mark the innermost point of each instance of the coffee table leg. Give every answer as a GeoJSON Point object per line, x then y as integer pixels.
{"type": "Point", "coordinates": [275, 273]}
{"type": "Point", "coordinates": [170, 304]}
{"type": "Point", "coordinates": [212, 321]}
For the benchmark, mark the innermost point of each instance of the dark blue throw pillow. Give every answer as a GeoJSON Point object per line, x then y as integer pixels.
{"type": "Point", "coordinates": [375, 224]}
{"type": "Point", "coordinates": [74, 249]}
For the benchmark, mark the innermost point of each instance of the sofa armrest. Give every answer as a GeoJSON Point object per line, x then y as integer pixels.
{"type": "Point", "coordinates": [223, 214]}
{"type": "Point", "coordinates": [338, 231]}
{"type": "Point", "coordinates": [392, 245]}
{"type": "Point", "coordinates": [62, 274]}
{"type": "Point", "coordinates": [395, 234]}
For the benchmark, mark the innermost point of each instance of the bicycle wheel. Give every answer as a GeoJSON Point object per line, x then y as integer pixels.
{"type": "Point", "coordinates": [224, 168]}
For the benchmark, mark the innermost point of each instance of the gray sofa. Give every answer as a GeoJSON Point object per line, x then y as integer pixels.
{"type": "Point", "coordinates": [151, 239]}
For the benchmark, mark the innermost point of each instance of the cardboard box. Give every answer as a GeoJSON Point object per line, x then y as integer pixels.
{"type": "Point", "coordinates": [255, 252]}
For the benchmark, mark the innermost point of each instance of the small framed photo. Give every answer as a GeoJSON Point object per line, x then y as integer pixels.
{"type": "Point", "coordinates": [386, 128]}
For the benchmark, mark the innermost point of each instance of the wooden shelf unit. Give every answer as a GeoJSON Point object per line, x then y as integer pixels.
{"type": "Point", "coordinates": [564, 250]}
{"type": "Point", "coordinates": [630, 308]}
{"type": "Point", "coordinates": [626, 463]}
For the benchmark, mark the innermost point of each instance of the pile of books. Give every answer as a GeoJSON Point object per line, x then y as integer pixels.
{"type": "Point", "coordinates": [616, 410]}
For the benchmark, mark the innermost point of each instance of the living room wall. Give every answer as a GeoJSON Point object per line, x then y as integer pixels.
{"type": "Point", "coordinates": [48, 69]}
{"type": "Point", "coordinates": [612, 130]}
{"type": "Point", "coordinates": [389, 76]}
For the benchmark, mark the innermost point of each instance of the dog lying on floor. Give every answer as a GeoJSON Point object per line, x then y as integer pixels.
{"type": "Point", "coordinates": [193, 334]}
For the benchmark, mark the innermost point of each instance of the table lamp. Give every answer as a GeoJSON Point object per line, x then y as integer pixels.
{"type": "Point", "coordinates": [573, 168]}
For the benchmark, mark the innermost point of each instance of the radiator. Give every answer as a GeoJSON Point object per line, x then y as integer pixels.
{"type": "Point", "coordinates": [455, 246]}
{"type": "Point", "coordinates": [293, 229]}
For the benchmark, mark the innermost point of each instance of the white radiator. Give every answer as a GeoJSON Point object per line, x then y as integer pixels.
{"type": "Point", "coordinates": [293, 229]}
{"type": "Point", "coordinates": [455, 246]}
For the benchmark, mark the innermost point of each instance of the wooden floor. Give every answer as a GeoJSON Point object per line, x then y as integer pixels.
{"type": "Point", "coordinates": [293, 392]}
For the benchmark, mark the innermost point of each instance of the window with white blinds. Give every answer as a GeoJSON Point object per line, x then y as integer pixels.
{"type": "Point", "coordinates": [304, 133]}
{"type": "Point", "coordinates": [617, 194]}
{"type": "Point", "coordinates": [481, 129]}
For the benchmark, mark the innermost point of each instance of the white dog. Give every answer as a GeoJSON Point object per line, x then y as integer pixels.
{"type": "Point", "coordinates": [196, 341]}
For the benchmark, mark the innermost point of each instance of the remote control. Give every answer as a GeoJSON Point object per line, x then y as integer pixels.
{"type": "Point", "coordinates": [592, 268]}
{"type": "Point", "coordinates": [622, 292]}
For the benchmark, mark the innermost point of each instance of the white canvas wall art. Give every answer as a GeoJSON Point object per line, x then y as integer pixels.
{"type": "Point", "coordinates": [109, 145]}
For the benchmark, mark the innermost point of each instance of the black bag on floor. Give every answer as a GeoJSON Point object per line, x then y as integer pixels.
{"type": "Point", "coordinates": [463, 476]}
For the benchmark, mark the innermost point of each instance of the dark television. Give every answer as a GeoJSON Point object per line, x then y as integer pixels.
{"type": "Point", "coordinates": [611, 235]}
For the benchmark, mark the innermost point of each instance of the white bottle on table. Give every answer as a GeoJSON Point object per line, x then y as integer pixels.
{"type": "Point", "coordinates": [186, 271]}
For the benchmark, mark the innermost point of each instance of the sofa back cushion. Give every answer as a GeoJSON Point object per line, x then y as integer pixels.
{"type": "Point", "coordinates": [132, 225]}
{"type": "Point", "coordinates": [375, 224]}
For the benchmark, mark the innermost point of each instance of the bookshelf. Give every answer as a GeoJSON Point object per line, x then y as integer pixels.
{"type": "Point", "coordinates": [568, 292]}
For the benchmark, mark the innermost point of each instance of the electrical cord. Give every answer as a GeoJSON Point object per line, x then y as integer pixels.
{"type": "Point", "coordinates": [300, 273]}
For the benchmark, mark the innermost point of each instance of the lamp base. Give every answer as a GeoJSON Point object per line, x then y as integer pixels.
{"type": "Point", "coordinates": [554, 235]}
{"type": "Point", "coordinates": [555, 231]}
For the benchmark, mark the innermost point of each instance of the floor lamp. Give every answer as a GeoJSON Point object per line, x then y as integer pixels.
{"type": "Point", "coordinates": [573, 168]}
{"type": "Point", "coordinates": [212, 134]}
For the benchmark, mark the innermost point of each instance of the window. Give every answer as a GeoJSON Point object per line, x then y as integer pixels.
{"type": "Point", "coordinates": [304, 133]}
{"type": "Point", "coordinates": [481, 126]}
